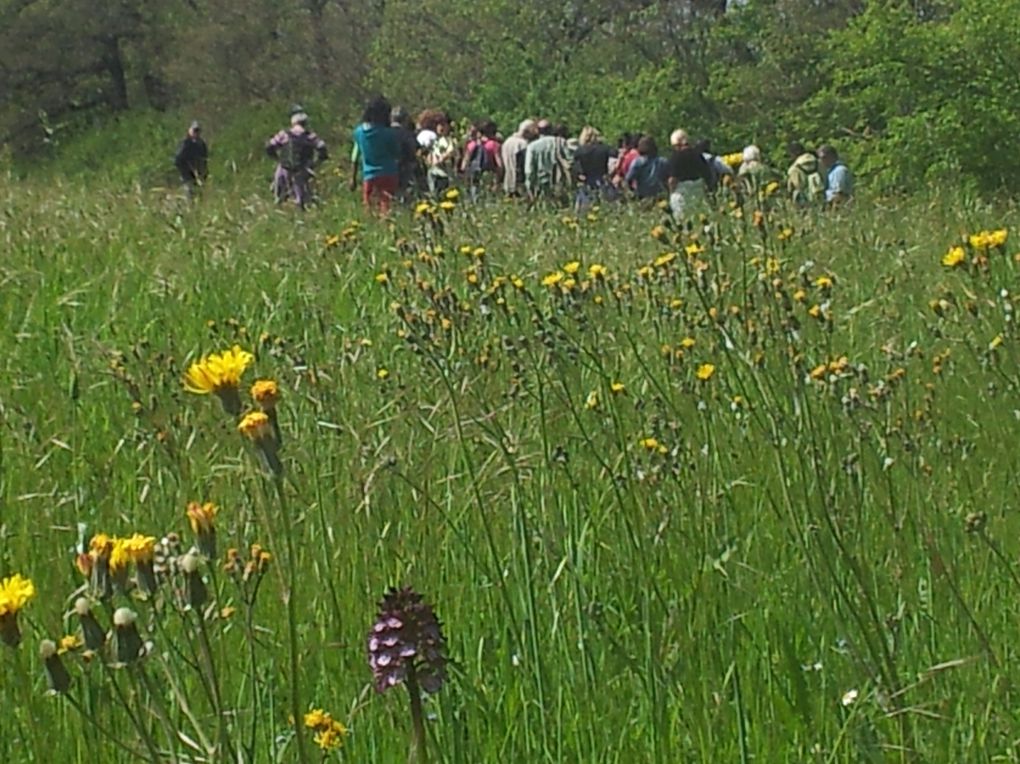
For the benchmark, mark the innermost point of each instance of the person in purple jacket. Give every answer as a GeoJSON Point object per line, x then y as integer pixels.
{"type": "Point", "coordinates": [297, 151]}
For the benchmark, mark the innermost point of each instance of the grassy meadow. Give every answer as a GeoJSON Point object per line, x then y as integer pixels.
{"type": "Point", "coordinates": [746, 492]}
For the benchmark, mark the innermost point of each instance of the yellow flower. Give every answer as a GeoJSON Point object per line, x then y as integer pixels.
{"type": "Point", "coordinates": [332, 738]}
{"type": "Point", "coordinates": [572, 267]}
{"type": "Point", "coordinates": [645, 271]}
{"type": "Point", "coordinates": [316, 718]}
{"type": "Point", "coordinates": [138, 548]}
{"type": "Point", "coordinates": [202, 517]}
{"type": "Point", "coordinates": [382, 374]}
{"type": "Point", "coordinates": [652, 444]}
{"type": "Point", "coordinates": [705, 372]}
{"type": "Point", "coordinates": [255, 425]}
{"type": "Point", "coordinates": [447, 206]}
{"type": "Point", "coordinates": [552, 279]}
{"type": "Point", "coordinates": [332, 241]}
{"type": "Point", "coordinates": [266, 393]}
{"type": "Point", "coordinates": [453, 194]}
{"type": "Point", "coordinates": [218, 371]}
{"type": "Point", "coordinates": [815, 311]}
{"type": "Point", "coordinates": [687, 343]}
{"type": "Point", "coordinates": [517, 281]}
{"type": "Point", "coordinates": [954, 257]}
{"type": "Point", "coordinates": [617, 387]}
{"type": "Point", "coordinates": [693, 249]}
{"type": "Point", "coordinates": [734, 160]}
{"type": "Point", "coordinates": [658, 233]}
{"type": "Point", "coordinates": [592, 401]}
{"type": "Point", "coordinates": [996, 238]}
{"type": "Point", "coordinates": [69, 643]}
{"type": "Point", "coordinates": [823, 282]}
{"type": "Point", "coordinates": [422, 208]}
{"type": "Point", "coordinates": [800, 295]}
{"type": "Point", "coordinates": [597, 271]}
{"type": "Point", "coordinates": [665, 259]}
{"type": "Point", "coordinates": [15, 592]}
{"type": "Point", "coordinates": [119, 556]}
{"type": "Point", "coordinates": [771, 188]}
{"type": "Point", "coordinates": [996, 342]}
{"type": "Point", "coordinates": [382, 278]}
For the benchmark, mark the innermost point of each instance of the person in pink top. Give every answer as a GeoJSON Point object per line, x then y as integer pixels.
{"type": "Point", "coordinates": [482, 165]}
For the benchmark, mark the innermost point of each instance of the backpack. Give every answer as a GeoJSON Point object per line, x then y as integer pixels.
{"type": "Point", "coordinates": [810, 186]}
{"type": "Point", "coordinates": [480, 160]}
{"type": "Point", "coordinates": [298, 152]}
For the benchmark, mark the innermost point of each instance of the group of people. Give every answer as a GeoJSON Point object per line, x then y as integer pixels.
{"type": "Point", "coordinates": [397, 158]}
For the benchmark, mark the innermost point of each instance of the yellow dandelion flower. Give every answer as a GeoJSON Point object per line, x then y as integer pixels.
{"type": "Point", "coordinates": [653, 444]}
{"type": "Point", "coordinates": [818, 373]}
{"type": "Point", "coordinates": [553, 279]}
{"type": "Point", "coordinates": [572, 267]}
{"type": "Point", "coordinates": [617, 387]}
{"type": "Point", "coordinates": [382, 278]}
{"type": "Point", "coordinates": [316, 718]}
{"type": "Point", "coordinates": [688, 342]}
{"type": "Point", "coordinates": [447, 206]}
{"type": "Point", "coordinates": [997, 238]}
{"type": "Point", "coordinates": [202, 517]}
{"type": "Point", "coordinates": [771, 188]}
{"type": "Point", "coordinates": [333, 240]}
{"type": "Point", "coordinates": [452, 194]}
{"type": "Point", "coordinates": [664, 259]}
{"type": "Point", "coordinates": [734, 159]}
{"type": "Point", "coordinates": [954, 257]}
{"type": "Point", "coordinates": [705, 372]}
{"type": "Point", "coordinates": [597, 271]}
{"type": "Point", "coordinates": [382, 374]}
{"type": "Point", "coordinates": [266, 393]}
{"type": "Point", "coordinates": [255, 425]}
{"type": "Point", "coordinates": [517, 281]}
{"type": "Point", "coordinates": [69, 643]}
{"type": "Point", "coordinates": [800, 295]}
{"type": "Point", "coordinates": [815, 311]}
{"type": "Point", "coordinates": [996, 342]}
{"type": "Point", "coordinates": [823, 282]}
{"type": "Point", "coordinates": [217, 371]}
{"type": "Point", "coordinates": [645, 271]}
{"type": "Point", "coordinates": [138, 548]}
{"type": "Point", "coordinates": [693, 249]}
{"type": "Point", "coordinates": [15, 593]}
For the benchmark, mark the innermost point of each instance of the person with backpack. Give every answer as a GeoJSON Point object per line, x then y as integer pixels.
{"type": "Point", "coordinates": [192, 160]}
{"type": "Point", "coordinates": [804, 181]}
{"type": "Point", "coordinates": [297, 151]}
{"type": "Point", "coordinates": [378, 151]}
{"type": "Point", "coordinates": [513, 153]}
{"type": "Point", "coordinates": [648, 175]}
{"type": "Point", "coordinates": [482, 157]}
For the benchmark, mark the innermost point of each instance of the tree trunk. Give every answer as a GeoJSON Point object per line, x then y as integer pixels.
{"type": "Point", "coordinates": [113, 62]}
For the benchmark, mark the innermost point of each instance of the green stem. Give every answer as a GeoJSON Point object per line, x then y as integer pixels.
{"type": "Point", "coordinates": [419, 743]}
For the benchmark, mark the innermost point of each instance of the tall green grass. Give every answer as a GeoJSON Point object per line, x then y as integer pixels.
{"type": "Point", "coordinates": [792, 535]}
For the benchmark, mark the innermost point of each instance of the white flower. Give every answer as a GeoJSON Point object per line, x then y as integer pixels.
{"type": "Point", "coordinates": [849, 697]}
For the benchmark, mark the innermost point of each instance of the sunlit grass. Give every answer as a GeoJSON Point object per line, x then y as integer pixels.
{"type": "Point", "coordinates": [742, 492]}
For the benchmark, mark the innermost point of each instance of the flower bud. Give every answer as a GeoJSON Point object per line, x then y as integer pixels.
{"type": "Point", "coordinates": [56, 673]}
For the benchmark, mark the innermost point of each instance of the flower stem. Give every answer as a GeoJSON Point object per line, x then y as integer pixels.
{"type": "Point", "coordinates": [419, 747]}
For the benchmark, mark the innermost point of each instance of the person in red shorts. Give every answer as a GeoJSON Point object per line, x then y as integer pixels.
{"type": "Point", "coordinates": [377, 153]}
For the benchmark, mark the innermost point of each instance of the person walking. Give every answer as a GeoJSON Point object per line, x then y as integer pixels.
{"type": "Point", "coordinates": [192, 160]}
{"type": "Point", "coordinates": [378, 151]}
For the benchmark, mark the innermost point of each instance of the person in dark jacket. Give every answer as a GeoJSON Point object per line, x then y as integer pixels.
{"type": "Point", "coordinates": [192, 160]}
